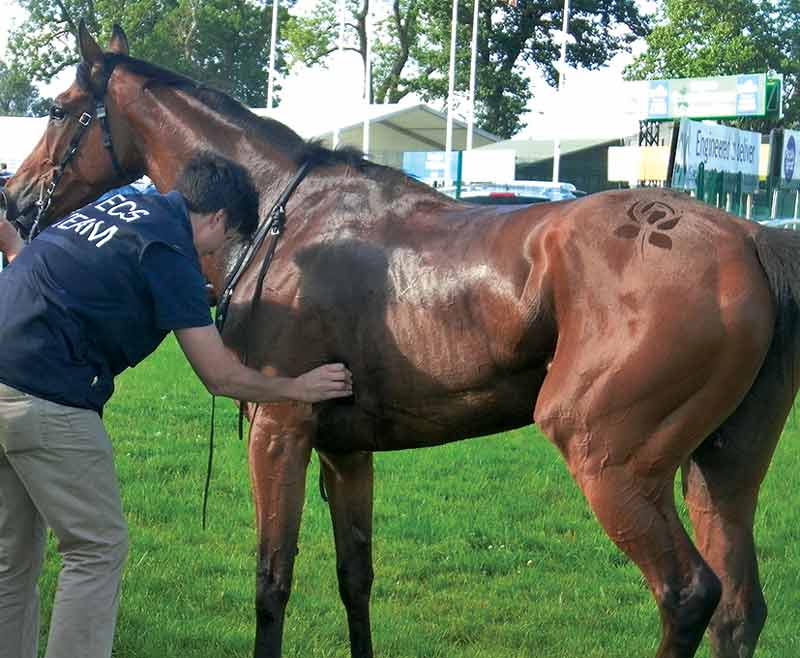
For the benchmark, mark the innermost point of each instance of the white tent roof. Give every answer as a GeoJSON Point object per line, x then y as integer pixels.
{"type": "Point", "coordinates": [18, 136]}
{"type": "Point", "coordinates": [393, 127]}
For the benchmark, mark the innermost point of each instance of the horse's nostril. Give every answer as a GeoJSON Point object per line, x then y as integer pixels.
{"type": "Point", "coordinates": [8, 209]}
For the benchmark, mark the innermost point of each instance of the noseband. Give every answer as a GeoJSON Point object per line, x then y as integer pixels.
{"type": "Point", "coordinates": [84, 121]}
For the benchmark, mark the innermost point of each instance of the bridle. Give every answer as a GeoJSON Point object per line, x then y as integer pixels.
{"type": "Point", "coordinates": [31, 229]}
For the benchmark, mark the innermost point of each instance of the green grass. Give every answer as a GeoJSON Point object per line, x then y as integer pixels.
{"type": "Point", "coordinates": [483, 549]}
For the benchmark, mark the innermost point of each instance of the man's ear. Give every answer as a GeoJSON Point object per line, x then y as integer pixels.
{"type": "Point", "coordinates": [221, 216]}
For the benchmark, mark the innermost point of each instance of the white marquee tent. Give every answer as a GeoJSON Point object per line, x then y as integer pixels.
{"type": "Point", "coordinates": [393, 130]}
{"type": "Point", "coordinates": [18, 136]}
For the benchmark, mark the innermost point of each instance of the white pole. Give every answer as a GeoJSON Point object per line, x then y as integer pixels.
{"type": "Point", "coordinates": [367, 81]}
{"type": "Point", "coordinates": [341, 62]}
{"type": "Point", "coordinates": [563, 62]}
{"type": "Point", "coordinates": [473, 74]}
{"type": "Point", "coordinates": [273, 39]}
{"type": "Point", "coordinates": [451, 97]}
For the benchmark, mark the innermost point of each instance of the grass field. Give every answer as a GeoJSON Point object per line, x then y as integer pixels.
{"type": "Point", "coordinates": [483, 548]}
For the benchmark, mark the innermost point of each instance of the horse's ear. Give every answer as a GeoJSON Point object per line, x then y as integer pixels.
{"type": "Point", "coordinates": [90, 51]}
{"type": "Point", "coordinates": [119, 42]}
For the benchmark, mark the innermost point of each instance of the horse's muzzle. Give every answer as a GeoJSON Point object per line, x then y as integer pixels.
{"type": "Point", "coordinates": [23, 222]}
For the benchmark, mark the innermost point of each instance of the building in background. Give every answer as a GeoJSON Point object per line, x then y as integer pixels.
{"type": "Point", "coordinates": [584, 162]}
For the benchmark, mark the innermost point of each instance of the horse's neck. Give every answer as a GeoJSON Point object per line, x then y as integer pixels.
{"type": "Point", "coordinates": [178, 126]}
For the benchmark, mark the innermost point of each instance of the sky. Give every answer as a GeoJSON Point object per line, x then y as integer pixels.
{"type": "Point", "coordinates": [307, 90]}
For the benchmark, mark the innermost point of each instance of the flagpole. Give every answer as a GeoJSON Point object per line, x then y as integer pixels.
{"type": "Point", "coordinates": [367, 81]}
{"type": "Point", "coordinates": [448, 180]}
{"type": "Point", "coordinates": [341, 62]}
{"type": "Point", "coordinates": [273, 39]}
{"type": "Point", "coordinates": [473, 74]}
{"type": "Point", "coordinates": [562, 66]}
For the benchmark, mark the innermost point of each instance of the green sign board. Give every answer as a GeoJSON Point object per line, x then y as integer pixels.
{"type": "Point", "coordinates": [707, 98]}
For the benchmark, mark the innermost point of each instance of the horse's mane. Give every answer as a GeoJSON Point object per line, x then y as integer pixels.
{"type": "Point", "coordinates": [275, 132]}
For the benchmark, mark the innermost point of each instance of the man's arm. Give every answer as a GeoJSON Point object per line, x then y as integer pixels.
{"type": "Point", "coordinates": [223, 374]}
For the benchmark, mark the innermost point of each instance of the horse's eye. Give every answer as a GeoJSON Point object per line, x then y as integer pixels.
{"type": "Point", "coordinates": [56, 113]}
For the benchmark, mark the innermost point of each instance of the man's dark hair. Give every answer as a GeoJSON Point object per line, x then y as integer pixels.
{"type": "Point", "coordinates": [210, 182]}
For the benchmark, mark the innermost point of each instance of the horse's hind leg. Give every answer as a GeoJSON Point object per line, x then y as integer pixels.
{"type": "Point", "coordinates": [348, 482]}
{"type": "Point", "coordinates": [280, 447]}
{"type": "Point", "coordinates": [624, 432]}
{"type": "Point", "coordinates": [721, 483]}
{"type": "Point", "coordinates": [637, 510]}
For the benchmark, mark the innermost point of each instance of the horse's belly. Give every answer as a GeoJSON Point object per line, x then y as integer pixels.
{"type": "Point", "coordinates": [396, 424]}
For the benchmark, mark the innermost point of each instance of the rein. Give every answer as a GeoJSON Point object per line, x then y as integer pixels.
{"type": "Point", "coordinates": [273, 226]}
{"type": "Point", "coordinates": [84, 121]}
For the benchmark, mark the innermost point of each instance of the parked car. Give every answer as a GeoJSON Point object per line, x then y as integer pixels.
{"type": "Point", "coordinates": [791, 223]}
{"type": "Point", "coordinates": [516, 193]}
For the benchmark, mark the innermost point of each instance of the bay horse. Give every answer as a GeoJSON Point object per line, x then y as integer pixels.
{"type": "Point", "coordinates": [644, 332]}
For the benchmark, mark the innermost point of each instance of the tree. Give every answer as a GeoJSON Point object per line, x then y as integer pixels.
{"type": "Point", "coordinates": [18, 97]}
{"type": "Point", "coordinates": [224, 43]}
{"type": "Point", "coordinates": [726, 37]}
{"type": "Point", "coordinates": [414, 36]}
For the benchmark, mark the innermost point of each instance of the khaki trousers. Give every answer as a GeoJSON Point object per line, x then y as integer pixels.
{"type": "Point", "coordinates": [57, 471]}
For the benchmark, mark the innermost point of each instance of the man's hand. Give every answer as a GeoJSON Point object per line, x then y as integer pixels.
{"type": "Point", "coordinates": [223, 374]}
{"type": "Point", "coordinates": [10, 242]}
{"type": "Point", "coordinates": [330, 381]}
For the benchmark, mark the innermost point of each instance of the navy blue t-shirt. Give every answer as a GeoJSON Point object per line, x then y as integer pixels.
{"type": "Point", "coordinates": [95, 293]}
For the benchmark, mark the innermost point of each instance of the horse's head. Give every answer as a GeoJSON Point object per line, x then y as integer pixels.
{"type": "Point", "coordinates": [85, 149]}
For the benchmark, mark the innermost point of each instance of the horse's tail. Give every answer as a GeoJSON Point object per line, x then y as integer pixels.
{"type": "Point", "coordinates": [763, 411]}
{"type": "Point", "coordinates": [776, 384]}
{"type": "Point", "coordinates": [779, 253]}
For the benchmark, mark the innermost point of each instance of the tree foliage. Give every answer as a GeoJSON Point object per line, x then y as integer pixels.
{"type": "Point", "coordinates": [224, 43]}
{"type": "Point", "coordinates": [726, 37]}
{"type": "Point", "coordinates": [414, 37]}
{"type": "Point", "coordinates": [18, 96]}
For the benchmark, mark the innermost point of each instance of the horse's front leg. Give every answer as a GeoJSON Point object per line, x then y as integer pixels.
{"type": "Point", "coordinates": [280, 446]}
{"type": "Point", "coordinates": [348, 481]}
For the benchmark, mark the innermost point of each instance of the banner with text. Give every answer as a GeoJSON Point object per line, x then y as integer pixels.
{"type": "Point", "coordinates": [719, 149]}
{"type": "Point", "coordinates": [790, 172]}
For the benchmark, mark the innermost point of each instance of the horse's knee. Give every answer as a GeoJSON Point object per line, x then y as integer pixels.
{"type": "Point", "coordinates": [686, 611]}
{"type": "Point", "coordinates": [355, 584]}
{"type": "Point", "coordinates": [271, 596]}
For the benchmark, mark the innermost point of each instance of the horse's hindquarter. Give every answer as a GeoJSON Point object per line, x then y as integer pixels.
{"type": "Point", "coordinates": [658, 299]}
{"type": "Point", "coordinates": [435, 314]}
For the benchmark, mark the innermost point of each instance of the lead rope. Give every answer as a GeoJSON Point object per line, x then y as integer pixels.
{"type": "Point", "coordinates": [210, 460]}
{"type": "Point", "coordinates": [272, 226]}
